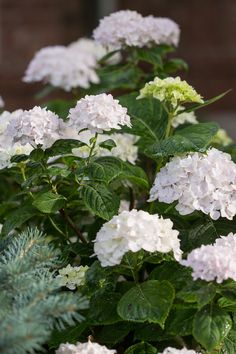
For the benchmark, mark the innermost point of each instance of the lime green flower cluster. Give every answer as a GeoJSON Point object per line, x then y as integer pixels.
{"type": "Point", "coordinates": [171, 91]}
{"type": "Point", "coordinates": [222, 138]}
{"type": "Point", "coordinates": [72, 277]}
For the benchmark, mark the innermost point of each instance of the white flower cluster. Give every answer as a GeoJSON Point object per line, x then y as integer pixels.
{"type": "Point", "coordinates": [67, 67]}
{"type": "Point", "coordinates": [171, 350]}
{"type": "Point", "coordinates": [132, 231]}
{"type": "Point", "coordinates": [98, 113]}
{"type": "Point", "coordinates": [84, 348]}
{"type": "Point", "coordinates": [182, 118]}
{"type": "Point", "coordinates": [2, 103]}
{"type": "Point", "coordinates": [205, 182]}
{"type": "Point", "coordinates": [214, 262]}
{"type": "Point", "coordinates": [124, 149]}
{"type": "Point", "coordinates": [71, 277]}
{"type": "Point", "coordinates": [34, 127]}
{"type": "Point", "coordinates": [129, 28]}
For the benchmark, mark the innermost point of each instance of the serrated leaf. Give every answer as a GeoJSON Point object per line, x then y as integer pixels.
{"type": "Point", "coordinates": [105, 169]}
{"type": "Point", "coordinates": [100, 200]}
{"type": "Point", "coordinates": [150, 301]}
{"type": "Point", "coordinates": [63, 146]}
{"type": "Point", "coordinates": [180, 322]}
{"type": "Point", "coordinates": [197, 291]}
{"type": "Point", "coordinates": [108, 144]}
{"type": "Point", "coordinates": [207, 102]}
{"type": "Point", "coordinates": [149, 55]}
{"type": "Point", "coordinates": [194, 138]}
{"type": "Point", "coordinates": [210, 326]}
{"type": "Point", "coordinates": [49, 202]}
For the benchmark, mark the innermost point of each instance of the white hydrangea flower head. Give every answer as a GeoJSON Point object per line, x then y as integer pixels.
{"type": "Point", "coordinates": [132, 231]}
{"type": "Point", "coordinates": [161, 30]}
{"type": "Point", "coordinates": [36, 126]}
{"type": "Point", "coordinates": [204, 182]}
{"type": "Point", "coordinates": [6, 117]}
{"type": "Point", "coordinates": [125, 148]}
{"type": "Point", "coordinates": [92, 48]}
{"type": "Point", "coordinates": [62, 67]}
{"type": "Point", "coordinates": [171, 350]}
{"type": "Point", "coordinates": [84, 348]}
{"type": "Point", "coordinates": [214, 262]}
{"type": "Point", "coordinates": [121, 28]}
{"type": "Point", "coordinates": [7, 152]}
{"type": "Point", "coordinates": [182, 118]}
{"type": "Point", "coordinates": [222, 138]}
{"type": "Point", "coordinates": [72, 277]}
{"type": "Point", "coordinates": [2, 103]}
{"type": "Point", "coordinates": [172, 91]}
{"type": "Point", "coordinates": [98, 113]}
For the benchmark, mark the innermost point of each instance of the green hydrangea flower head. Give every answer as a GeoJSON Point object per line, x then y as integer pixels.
{"type": "Point", "coordinates": [171, 91]}
{"type": "Point", "coordinates": [72, 277]}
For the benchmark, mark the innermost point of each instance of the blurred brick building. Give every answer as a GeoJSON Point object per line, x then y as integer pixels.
{"type": "Point", "coordinates": [207, 40]}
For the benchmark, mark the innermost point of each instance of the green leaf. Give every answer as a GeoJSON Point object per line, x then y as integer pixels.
{"type": "Point", "coordinates": [49, 202]}
{"type": "Point", "coordinates": [173, 272]}
{"type": "Point", "coordinates": [37, 155]}
{"type": "Point", "coordinates": [135, 174]}
{"type": "Point", "coordinates": [102, 309]}
{"type": "Point", "coordinates": [149, 55]}
{"type": "Point", "coordinates": [108, 144]}
{"type": "Point", "coordinates": [141, 348]}
{"type": "Point", "coordinates": [173, 65]}
{"type": "Point", "coordinates": [148, 117]}
{"type": "Point", "coordinates": [197, 291]}
{"type": "Point", "coordinates": [100, 200]}
{"type": "Point", "coordinates": [17, 218]}
{"type": "Point", "coordinates": [229, 343]}
{"type": "Point", "coordinates": [207, 102]}
{"type": "Point", "coordinates": [194, 138]}
{"type": "Point", "coordinates": [150, 333]}
{"type": "Point", "coordinates": [63, 146]}
{"type": "Point", "coordinates": [180, 322]}
{"type": "Point", "coordinates": [210, 326]}
{"type": "Point", "coordinates": [105, 169]}
{"type": "Point", "coordinates": [150, 301]}
{"type": "Point", "coordinates": [227, 304]}
{"type": "Point", "coordinates": [115, 333]}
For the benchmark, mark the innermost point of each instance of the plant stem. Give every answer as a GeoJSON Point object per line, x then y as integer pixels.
{"type": "Point", "coordinates": [92, 148]}
{"type": "Point", "coordinates": [72, 225]}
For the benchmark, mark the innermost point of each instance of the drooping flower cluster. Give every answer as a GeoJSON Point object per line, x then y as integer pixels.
{"type": "Point", "coordinates": [205, 182]}
{"type": "Point", "coordinates": [68, 67]}
{"type": "Point", "coordinates": [84, 348]}
{"type": "Point", "coordinates": [132, 231]}
{"type": "Point", "coordinates": [98, 113]}
{"type": "Point", "coordinates": [2, 103]}
{"type": "Point", "coordinates": [172, 91]}
{"type": "Point", "coordinates": [72, 277]}
{"type": "Point", "coordinates": [214, 262]}
{"type": "Point", "coordinates": [38, 126]}
{"type": "Point", "coordinates": [184, 117]}
{"type": "Point", "coordinates": [124, 149]}
{"type": "Point", "coordinates": [171, 350]}
{"type": "Point", "coordinates": [129, 28]}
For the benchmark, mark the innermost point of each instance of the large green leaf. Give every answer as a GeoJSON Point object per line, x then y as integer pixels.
{"type": "Point", "coordinates": [180, 322]}
{"type": "Point", "coordinates": [114, 333]}
{"type": "Point", "coordinates": [194, 138]}
{"type": "Point", "coordinates": [210, 326]}
{"type": "Point", "coordinates": [207, 102]}
{"type": "Point", "coordinates": [150, 301]}
{"type": "Point", "coordinates": [229, 343]}
{"type": "Point", "coordinates": [198, 292]}
{"type": "Point", "coordinates": [49, 202]}
{"type": "Point", "coordinates": [148, 117]}
{"type": "Point", "coordinates": [141, 348]}
{"type": "Point", "coordinates": [63, 146]}
{"type": "Point", "coordinates": [18, 217]}
{"type": "Point", "coordinates": [100, 200]}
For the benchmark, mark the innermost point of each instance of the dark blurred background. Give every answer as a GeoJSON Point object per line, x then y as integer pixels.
{"type": "Point", "coordinates": [208, 32]}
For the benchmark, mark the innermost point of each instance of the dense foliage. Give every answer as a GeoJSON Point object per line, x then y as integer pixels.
{"type": "Point", "coordinates": [126, 278]}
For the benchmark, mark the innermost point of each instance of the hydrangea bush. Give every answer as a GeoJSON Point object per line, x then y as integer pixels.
{"type": "Point", "coordinates": [135, 198]}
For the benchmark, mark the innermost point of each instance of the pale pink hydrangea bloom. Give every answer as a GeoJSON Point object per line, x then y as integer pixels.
{"type": "Point", "coordinates": [132, 231]}
{"type": "Point", "coordinates": [214, 262]}
{"type": "Point", "coordinates": [205, 182]}
{"type": "Point", "coordinates": [98, 113]}
{"type": "Point", "coordinates": [84, 348]}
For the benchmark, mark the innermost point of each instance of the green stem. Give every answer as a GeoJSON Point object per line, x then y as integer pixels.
{"type": "Point", "coordinates": [92, 148]}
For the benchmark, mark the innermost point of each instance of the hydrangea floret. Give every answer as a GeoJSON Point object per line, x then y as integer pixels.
{"type": "Point", "coordinates": [98, 113]}
{"type": "Point", "coordinates": [84, 348]}
{"type": "Point", "coordinates": [132, 231]}
{"type": "Point", "coordinates": [72, 277]}
{"type": "Point", "coordinates": [198, 181]}
{"type": "Point", "coordinates": [214, 262]}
